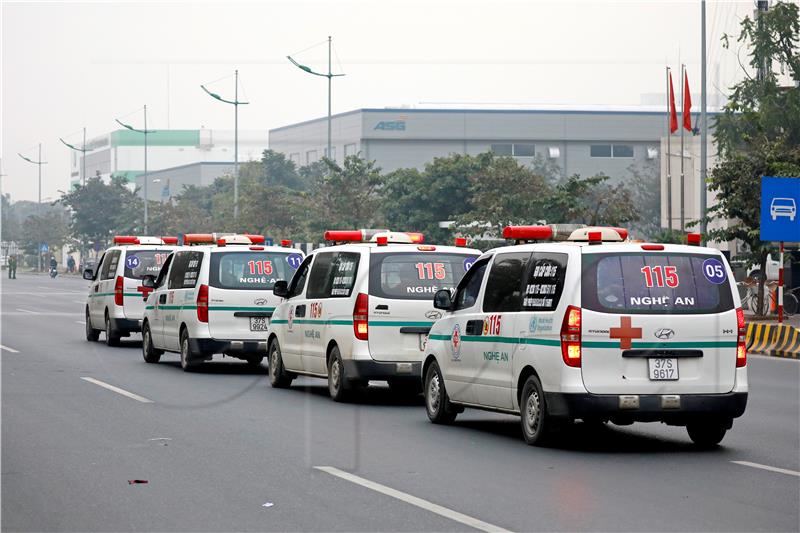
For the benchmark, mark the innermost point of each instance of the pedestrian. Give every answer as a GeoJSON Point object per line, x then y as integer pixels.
{"type": "Point", "coordinates": [70, 264]}
{"type": "Point", "coordinates": [12, 267]}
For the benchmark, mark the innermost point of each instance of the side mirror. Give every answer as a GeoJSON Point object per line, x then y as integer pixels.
{"type": "Point", "coordinates": [149, 282]}
{"type": "Point", "coordinates": [88, 274]}
{"type": "Point", "coordinates": [281, 288]}
{"type": "Point", "coordinates": [443, 299]}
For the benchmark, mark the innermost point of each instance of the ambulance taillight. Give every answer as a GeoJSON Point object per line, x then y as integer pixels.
{"type": "Point", "coordinates": [571, 337]}
{"type": "Point", "coordinates": [202, 303]}
{"type": "Point", "coordinates": [741, 340]}
{"type": "Point", "coordinates": [361, 316]}
{"type": "Point", "coordinates": [119, 287]}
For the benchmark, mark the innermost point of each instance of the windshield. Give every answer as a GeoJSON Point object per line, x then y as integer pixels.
{"type": "Point", "coordinates": [416, 276]}
{"type": "Point", "coordinates": [141, 263]}
{"type": "Point", "coordinates": [656, 283]}
{"type": "Point", "coordinates": [251, 270]}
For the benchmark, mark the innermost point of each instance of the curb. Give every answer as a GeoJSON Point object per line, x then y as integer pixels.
{"type": "Point", "coordinates": [777, 340]}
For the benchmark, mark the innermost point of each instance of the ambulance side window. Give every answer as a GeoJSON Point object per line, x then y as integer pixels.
{"type": "Point", "coordinates": [110, 266]}
{"type": "Point", "coordinates": [298, 282]}
{"type": "Point", "coordinates": [191, 271]}
{"type": "Point", "coordinates": [99, 267]}
{"type": "Point", "coordinates": [180, 261]}
{"type": "Point", "coordinates": [333, 275]}
{"type": "Point", "coordinates": [545, 281]}
{"type": "Point", "coordinates": [504, 285]}
{"type": "Point", "coordinates": [162, 276]}
{"type": "Point", "coordinates": [470, 286]}
{"type": "Point", "coordinates": [320, 272]}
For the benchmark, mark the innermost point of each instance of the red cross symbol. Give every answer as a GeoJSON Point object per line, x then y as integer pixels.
{"type": "Point", "coordinates": [625, 333]}
{"type": "Point", "coordinates": [145, 291]}
{"type": "Point", "coordinates": [456, 339]}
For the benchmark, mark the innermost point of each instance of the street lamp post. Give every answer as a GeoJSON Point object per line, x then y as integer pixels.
{"type": "Point", "coordinates": [330, 75]}
{"type": "Point", "coordinates": [236, 103]}
{"type": "Point", "coordinates": [83, 157]}
{"type": "Point", "coordinates": [144, 131]}
{"type": "Point", "coordinates": [38, 163]}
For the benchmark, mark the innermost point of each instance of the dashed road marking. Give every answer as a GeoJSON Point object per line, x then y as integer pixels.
{"type": "Point", "coordinates": [767, 467]}
{"type": "Point", "coordinates": [81, 322]}
{"type": "Point", "coordinates": [6, 348]}
{"type": "Point", "coordinates": [28, 311]}
{"type": "Point", "coordinates": [117, 390]}
{"type": "Point", "coordinates": [413, 500]}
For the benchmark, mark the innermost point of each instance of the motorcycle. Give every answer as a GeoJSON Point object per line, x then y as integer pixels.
{"type": "Point", "coordinates": [53, 272]}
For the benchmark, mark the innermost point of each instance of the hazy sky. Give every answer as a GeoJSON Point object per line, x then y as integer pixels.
{"type": "Point", "coordinates": [66, 65]}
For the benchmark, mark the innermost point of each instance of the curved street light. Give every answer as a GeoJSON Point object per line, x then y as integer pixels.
{"type": "Point", "coordinates": [38, 163]}
{"type": "Point", "coordinates": [330, 75]}
{"type": "Point", "coordinates": [82, 151]}
{"type": "Point", "coordinates": [236, 103]}
{"type": "Point", "coordinates": [144, 131]}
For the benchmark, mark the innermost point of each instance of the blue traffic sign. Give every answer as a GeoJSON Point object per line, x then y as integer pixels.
{"type": "Point", "coordinates": [780, 201]}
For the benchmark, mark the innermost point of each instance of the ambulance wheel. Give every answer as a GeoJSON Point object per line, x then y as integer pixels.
{"type": "Point", "coordinates": [338, 386]}
{"type": "Point", "coordinates": [112, 337]}
{"type": "Point", "coordinates": [187, 362]}
{"type": "Point", "coordinates": [706, 433]}
{"type": "Point", "coordinates": [92, 334]}
{"type": "Point", "coordinates": [255, 360]}
{"type": "Point", "coordinates": [437, 403]}
{"type": "Point", "coordinates": [279, 378]}
{"type": "Point", "coordinates": [150, 354]}
{"type": "Point", "coordinates": [536, 424]}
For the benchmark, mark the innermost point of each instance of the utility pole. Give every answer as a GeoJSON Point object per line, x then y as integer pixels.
{"type": "Point", "coordinates": [683, 189]}
{"type": "Point", "coordinates": [236, 103]}
{"type": "Point", "coordinates": [703, 124]}
{"type": "Point", "coordinates": [145, 131]}
{"type": "Point", "coordinates": [330, 75]}
{"type": "Point", "coordinates": [669, 154]}
{"type": "Point", "coordinates": [38, 163]}
{"type": "Point", "coordinates": [761, 7]}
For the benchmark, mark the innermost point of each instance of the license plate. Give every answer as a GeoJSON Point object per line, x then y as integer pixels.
{"type": "Point", "coordinates": [663, 368]}
{"type": "Point", "coordinates": [259, 323]}
{"type": "Point", "coordinates": [423, 342]}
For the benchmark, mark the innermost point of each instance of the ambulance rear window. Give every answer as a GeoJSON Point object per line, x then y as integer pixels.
{"type": "Point", "coordinates": [251, 270]}
{"type": "Point", "coordinates": [416, 275]}
{"type": "Point", "coordinates": [141, 263]}
{"type": "Point", "coordinates": [655, 283]}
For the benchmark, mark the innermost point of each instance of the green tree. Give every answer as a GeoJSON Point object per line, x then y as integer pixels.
{"type": "Point", "coordinates": [419, 201]}
{"type": "Point", "coordinates": [758, 133]}
{"type": "Point", "coordinates": [591, 201]}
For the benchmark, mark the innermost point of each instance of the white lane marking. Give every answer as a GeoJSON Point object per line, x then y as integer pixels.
{"type": "Point", "coordinates": [28, 311]}
{"type": "Point", "coordinates": [413, 500]}
{"type": "Point", "coordinates": [6, 348]}
{"type": "Point", "coordinates": [79, 301]}
{"type": "Point", "coordinates": [25, 312]}
{"type": "Point", "coordinates": [81, 322]}
{"type": "Point", "coordinates": [767, 467]}
{"type": "Point", "coordinates": [117, 390]}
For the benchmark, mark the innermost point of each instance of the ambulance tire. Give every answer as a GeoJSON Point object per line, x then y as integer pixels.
{"type": "Point", "coordinates": [92, 335]}
{"type": "Point", "coordinates": [279, 378]}
{"type": "Point", "coordinates": [706, 433]}
{"type": "Point", "coordinates": [437, 402]}
{"type": "Point", "coordinates": [112, 337]}
{"type": "Point", "coordinates": [149, 352]}
{"type": "Point", "coordinates": [339, 386]}
{"type": "Point", "coordinates": [536, 424]}
{"type": "Point", "coordinates": [188, 362]}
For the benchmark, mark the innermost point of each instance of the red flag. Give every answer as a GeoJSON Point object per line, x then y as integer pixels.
{"type": "Point", "coordinates": [687, 104]}
{"type": "Point", "coordinates": [673, 115]}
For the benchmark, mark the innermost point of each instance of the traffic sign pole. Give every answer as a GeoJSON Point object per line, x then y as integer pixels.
{"type": "Point", "coordinates": [780, 287]}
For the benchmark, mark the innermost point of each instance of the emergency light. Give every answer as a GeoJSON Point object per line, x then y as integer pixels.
{"type": "Point", "coordinates": [130, 239]}
{"type": "Point", "coordinates": [565, 232]}
{"type": "Point", "coordinates": [378, 236]}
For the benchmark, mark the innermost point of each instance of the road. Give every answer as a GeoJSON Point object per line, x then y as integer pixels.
{"type": "Point", "coordinates": [218, 445]}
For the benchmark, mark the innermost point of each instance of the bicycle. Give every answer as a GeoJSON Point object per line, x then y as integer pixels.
{"type": "Point", "coordinates": [748, 292]}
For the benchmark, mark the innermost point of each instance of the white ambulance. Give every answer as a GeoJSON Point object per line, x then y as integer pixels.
{"type": "Point", "coordinates": [115, 304]}
{"type": "Point", "coordinates": [593, 328]}
{"type": "Point", "coordinates": [361, 311]}
{"type": "Point", "coordinates": [215, 296]}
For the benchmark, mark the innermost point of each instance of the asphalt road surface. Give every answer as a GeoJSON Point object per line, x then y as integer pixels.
{"type": "Point", "coordinates": [217, 447]}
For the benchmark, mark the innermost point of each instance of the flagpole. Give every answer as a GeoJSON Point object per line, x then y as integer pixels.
{"type": "Point", "coordinates": [669, 160]}
{"type": "Point", "coordinates": [683, 68]}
